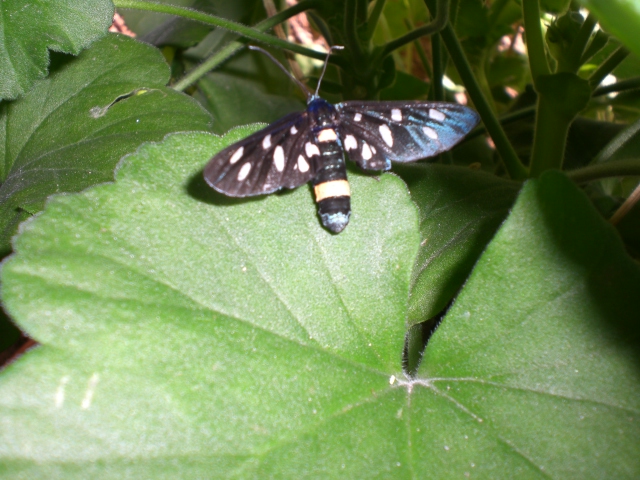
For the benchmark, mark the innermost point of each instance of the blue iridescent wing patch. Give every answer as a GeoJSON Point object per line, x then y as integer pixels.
{"type": "Point", "coordinates": [374, 134]}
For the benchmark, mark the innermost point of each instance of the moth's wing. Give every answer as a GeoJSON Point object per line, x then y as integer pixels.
{"type": "Point", "coordinates": [375, 133]}
{"type": "Point", "coordinates": [266, 161]}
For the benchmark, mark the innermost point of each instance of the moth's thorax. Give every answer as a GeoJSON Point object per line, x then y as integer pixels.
{"type": "Point", "coordinates": [322, 112]}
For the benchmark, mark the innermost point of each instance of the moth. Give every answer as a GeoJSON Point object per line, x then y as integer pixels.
{"type": "Point", "coordinates": [311, 146]}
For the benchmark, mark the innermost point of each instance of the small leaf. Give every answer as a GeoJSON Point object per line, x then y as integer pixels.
{"type": "Point", "coordinates": [460, 210]}
{"type": "Point", "coordinates": [71, 129]}
{"type": "Point", "coordinates": [30, 28]}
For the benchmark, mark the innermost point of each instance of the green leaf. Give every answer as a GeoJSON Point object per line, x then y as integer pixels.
{"type": "Point", "coordinates": [184, 332]}
{"type": "Point", "coordinates": [396, 14]}
{"type": "Point", "coordinates": [460, 211]}
{"type": "Point", "coordinates": [29, 29]}
{"type": "Point", "coordinates": [71, 129]}
{"type": "Point", "coordinates": [249, 89]}
{"type": "Point", "coordinates": [405, 87]}
{"type": "Point", "coordinates": [234, 101]}
{"type": "Point", "coordinates": [620, 18]}
{"type": "Point", "coordinates": [535, 367]}
{"type": "Point", "coordinates": [472, 20]}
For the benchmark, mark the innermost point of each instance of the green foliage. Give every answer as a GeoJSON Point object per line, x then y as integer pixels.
{"type": "Point", "coordinates": [619, 17]}
{"type": "Point", "coordinates": [29, 29]}
{"type": "Point", "coordinates": [478, 316]}
{"type": "Point", "coordinates": [45, 152]}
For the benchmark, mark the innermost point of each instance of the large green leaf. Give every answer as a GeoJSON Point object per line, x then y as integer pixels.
{"type": "Point", "coordinates": [185, 333]}
{"type": "Point", "coordinates": [460, 210]}
{"type": "Point", "coordinates": [71, 129]}
{"type": "Point", "coordinates": [29, 29]}
{"type": "Point", "coordinates": [536, 364]}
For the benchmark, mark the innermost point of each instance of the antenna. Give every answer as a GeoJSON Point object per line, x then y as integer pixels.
{"type": "Point", "coordinates": [324, 68]}
{"type": "Point", "coordinates": [302, 86]}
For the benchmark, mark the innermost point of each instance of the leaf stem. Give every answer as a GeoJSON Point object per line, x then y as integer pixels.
{"type": "Point", "coordinates": [438, 73]}
{"type": "Point", "coordinates": [535, 43]}
{"type": "Point", "coordinates": [512, 163]}
{"type": "Point", "coordinates": [235, 27]}
{"type": "Point", "coordinates": [580, 43]}
{"type": "Point", "coordinates": [608, 66]}
{"type": "Point", "coordinates": [373, 19]}
{"type": "Point", "coordinates": [621, 86]}
{"type": "Point", "coordinates": [626, 206]}
{"type": "Point", "coordinates": [232, 47]}
{"type": "Point", "coordinates": [550, 137]}
{"type": "Point", "coordinates": [351, 29]}
{"type": "Point", "coordinates": [598, 171]}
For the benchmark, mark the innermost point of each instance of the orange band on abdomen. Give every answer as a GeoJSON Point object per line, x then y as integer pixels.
{"type": "Point", "coordinates": [334, 188]}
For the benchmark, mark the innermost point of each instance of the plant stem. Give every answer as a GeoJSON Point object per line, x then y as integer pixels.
{"type": "Point", "coordinates": [535, 43]}
{"type": "Point", "coordinates": [438, 73]}
{"type": "Point", "coordinates": [424, 60]}
{"type": "Point", "coordinates": [232, 47]}
{"type": "Point", "coordinates": [608, 66]}
{"type": "Point", "coordinates": [621, 86]}
{"type": "Point", "coordinates": [219, 22]}
{"type": "Point", "coordinates": [580, 43]}
{"type": "Point", "coordinates": [626, 206]}
{"type": "Point", "coordinates": [372, 22]}
{"type": "Point", "coordinates": [512, 163]}
{"type": "Point", "coordinates": [598, 171]}
{"type": "Point", "coordinates": [549, 140]}
{"type": "Point", "coordinates": [351, 29]}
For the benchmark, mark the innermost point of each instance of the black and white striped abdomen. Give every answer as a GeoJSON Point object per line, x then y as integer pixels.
{"type": "Point", "coordinates": [330, 184]}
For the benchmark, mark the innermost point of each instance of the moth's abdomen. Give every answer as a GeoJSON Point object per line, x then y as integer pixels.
{"type": "Point", "coordinates": [331, 186]}
{"type": "Point", "coordinates": [334, 210]}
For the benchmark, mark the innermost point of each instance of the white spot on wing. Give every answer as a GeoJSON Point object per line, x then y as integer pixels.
{"type": "Point", "coordinates": [327, 135]}
{"type": "Point", "coordinates": [303, 166]}
{"type": "Point", "coordinates": [266, 142]}
{"type": "Point", "coordinates": [396, 115]}
{"type": "Point", "coordinates": [293, 130]}
{"type": "Point", "coordinates": [244, 171]}
{"type": "Point", "coordinates": [278, 158]}
{"type": "Point", "coordinates": [311, 149]}
{"type": "Point", "coordinates": [366, 152]}
{"type": "Point", "coordinates": [437, 115]}
{"type": "Point", "coordinates": [386, 134]}
{"type": "Point", "coordinates": [236, 156]}
{"type": "Point", "coordinates": [373, 149]}
{"type": "Point", "coordinates": [431, 133]}
{"type": "Point", "coordinates": [350, 142]}
{"type": "Point", "coordinates": [357, 117]}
